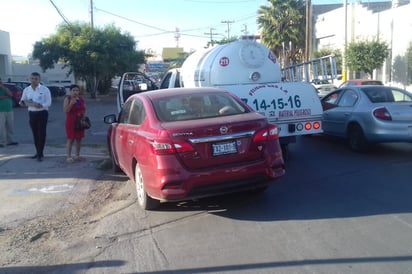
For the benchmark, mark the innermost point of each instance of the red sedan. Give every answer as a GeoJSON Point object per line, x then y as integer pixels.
{"type": "Point", "coordinates": [180, 144]}
{"type": "Point", "coordinates": [16, 91]}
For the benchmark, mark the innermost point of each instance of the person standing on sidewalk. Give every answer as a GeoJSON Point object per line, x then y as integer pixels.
{"type": "Point", "coordinates": [38, 100]}
{"type": "Point", "coordinates": [74, 107]}
{"type": "Point", "coordinates": [6, 117]}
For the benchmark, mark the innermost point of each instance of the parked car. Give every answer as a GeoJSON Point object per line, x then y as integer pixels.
{"type": "Point", "coordinates": [175, 150]}
{"type": "Point", "coordinates": [16, 91]}
{"type": "Point", "coordinates": [57, 91]}
{"type": "Point", "coordinates": [21, 84]}
{"type": "Point", "coordinates": [360, 82]}
{"type": "Point", "coordinates": [365, 115]}
{"type": "Point", "coordinates": [323, 87]}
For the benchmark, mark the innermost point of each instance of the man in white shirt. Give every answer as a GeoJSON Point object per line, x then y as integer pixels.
{"type": "Point", "coordinates": [37, 98]}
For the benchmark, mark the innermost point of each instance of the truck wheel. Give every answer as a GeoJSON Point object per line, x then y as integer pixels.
{"type": "Point", "coordinates": [144, 201]}
{"type": "Point", "coordinates": [357, 140]}
{"type": "Point", "coordinates": [285, 151]}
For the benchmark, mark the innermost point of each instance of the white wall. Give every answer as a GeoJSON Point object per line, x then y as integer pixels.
{"type": "Point", "coordinates": [393, 26]}
{"type": "Point", "coordinates": [5, 55]}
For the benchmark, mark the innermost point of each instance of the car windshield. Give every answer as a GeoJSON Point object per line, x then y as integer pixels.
{"type": "Point", "coordinates": [378, 94]}
{"type": "Point", "coordinates": [196, 106]}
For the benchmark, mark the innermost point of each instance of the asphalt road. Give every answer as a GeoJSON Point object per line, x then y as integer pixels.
{"type": "Point", "coordinates": [335, 211]}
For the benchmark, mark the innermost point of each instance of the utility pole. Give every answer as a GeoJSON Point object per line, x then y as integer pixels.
{"type": "Point", "coordinates": [94, 80]}
{"type": "Point", "coordinates": [177, 36]}
{"type": "Point", "coordinates": [245, 30]}
{"type": "Point", "coordinates": [91, 15]}
{"type": "Point", "coordinates": [228, 27]}
{"type": "Point", "coordinates": [345, 9]}
{"type": "Point", "coordinates": [308, 28]}
{"type": "Point", "coordinates": [211, 33]}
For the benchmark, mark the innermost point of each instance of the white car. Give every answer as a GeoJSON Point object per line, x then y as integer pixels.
{"type": "Point", "coordinates": [323, 87]}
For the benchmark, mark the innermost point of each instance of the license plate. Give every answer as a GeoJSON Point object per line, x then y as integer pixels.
{"type": "Point", "coordinates": [224, 148]}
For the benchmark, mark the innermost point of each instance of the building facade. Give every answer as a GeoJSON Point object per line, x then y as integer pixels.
{"type": "Point", "coordinates": [5, 55]}
{"type": "Point", "coordinates": [21, 72]}
{"type": "Point", "coordinates": [390, 22]}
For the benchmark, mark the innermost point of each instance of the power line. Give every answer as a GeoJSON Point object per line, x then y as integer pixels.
{"type": "Point", "coordinates": [133, 21]}
{"type": "Point", "coordinates": [60, 13]}
{"type": "Point", "coordinates": [181, 32]}
{"type": "Point", "coordinates": [163, 31]}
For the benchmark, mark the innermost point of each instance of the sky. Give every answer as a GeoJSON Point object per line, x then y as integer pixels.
{"type": "Point", "coordinates": [153, 23]}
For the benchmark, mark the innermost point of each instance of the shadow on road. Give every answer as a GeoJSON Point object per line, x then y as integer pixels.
{"type": "Point", "coordinates": [282, 264]}
{"type": "Point", "coordinates": [64, 268]}
{"type": "Point", "coordinates": [347, 185]}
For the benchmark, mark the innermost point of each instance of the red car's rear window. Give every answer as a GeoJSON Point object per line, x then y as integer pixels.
{"type": "Point", "coordinates": [372, 82]}
{"type": "Point", "coordinates": [196, 106]}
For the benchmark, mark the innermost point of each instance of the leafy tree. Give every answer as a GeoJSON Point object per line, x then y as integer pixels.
{"type": "Point", "coordinates": [222, 41]}
{"type": "Point", "coordinates": [92, 54]}
{"type": "Point", "coordinates": [366, 55]}
{"type": "Point", "coordinates": [283, 21]}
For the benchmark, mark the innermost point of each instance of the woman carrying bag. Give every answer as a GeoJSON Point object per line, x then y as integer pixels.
{"type": "Point", "coordinates": [75, 108]}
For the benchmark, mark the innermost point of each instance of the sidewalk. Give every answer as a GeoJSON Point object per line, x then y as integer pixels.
{"type": "Point", "coordinates": [29, 188]}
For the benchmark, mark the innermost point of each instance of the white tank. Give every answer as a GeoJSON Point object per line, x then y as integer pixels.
{"type": "Point", "coordinates": [236, 63]}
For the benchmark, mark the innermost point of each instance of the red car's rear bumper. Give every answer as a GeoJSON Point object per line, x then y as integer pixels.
{"type": "Point", "coordinates": [182, 184]}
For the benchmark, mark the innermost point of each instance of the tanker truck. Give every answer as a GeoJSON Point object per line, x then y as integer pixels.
{"type": "Point", "coordinates": [251, 71]}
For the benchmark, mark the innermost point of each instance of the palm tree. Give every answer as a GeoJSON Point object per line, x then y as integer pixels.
{"type": "Point", "coordinates": [282, 22]}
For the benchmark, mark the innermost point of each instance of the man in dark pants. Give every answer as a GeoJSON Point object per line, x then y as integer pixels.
{"type": "Point", "coordinates": [37, 98]}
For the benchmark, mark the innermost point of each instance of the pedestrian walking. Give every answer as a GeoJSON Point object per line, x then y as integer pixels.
{"type": "Point", "coordinates": [6, 116]}
{"type": "Point", "coordinates": [75, 108]}
{"type": "Point", "coordinates": [37, 99]}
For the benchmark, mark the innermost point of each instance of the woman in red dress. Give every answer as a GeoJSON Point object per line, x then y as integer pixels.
{"type": "Point", "coordinates": [75, 107]}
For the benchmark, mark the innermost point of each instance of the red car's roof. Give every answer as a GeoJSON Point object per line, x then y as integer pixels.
{"type": "Point", "coordinates": [153, 94]}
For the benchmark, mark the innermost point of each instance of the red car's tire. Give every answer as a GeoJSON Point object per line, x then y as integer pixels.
{"type": "Point", "coordinates": [144, 200]}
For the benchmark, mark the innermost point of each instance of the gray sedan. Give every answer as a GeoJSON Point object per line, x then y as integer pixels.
{"type": "Point", "coordinates": [365, 115]}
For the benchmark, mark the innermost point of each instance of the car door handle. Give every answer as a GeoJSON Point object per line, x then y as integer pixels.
{"type": "Point", "coordinates": [346, 114]}
{"type": "Point", "coordinates": [130, 141]}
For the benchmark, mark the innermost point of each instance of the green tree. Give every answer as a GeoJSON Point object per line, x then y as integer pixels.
{"type": "Point", "coordinates": [366, 55]}
{"type": "Point", "coordinates": [222, 41]}
{"type": "Point", "coordinates": [93, 55]}
{"type": "Point", "coordinates": [281, 22]}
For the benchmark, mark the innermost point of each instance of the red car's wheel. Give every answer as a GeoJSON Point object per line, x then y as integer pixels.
{"type": "Point", "coordinates": [143, 199]}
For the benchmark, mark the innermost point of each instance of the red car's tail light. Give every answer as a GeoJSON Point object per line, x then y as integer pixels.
{"type": "Point", "coordinates": [169, 147]}
{"type": "Point", "coordinates": [270, 133]}
{"type": "Point", "coordinates": [382, 113]}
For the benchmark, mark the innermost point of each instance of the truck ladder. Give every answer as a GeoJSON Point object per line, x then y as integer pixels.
{"type": "Point", "coordinates": [319, 68]}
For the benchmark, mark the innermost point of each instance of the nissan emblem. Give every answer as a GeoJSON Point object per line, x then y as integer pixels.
{"type": "Point", "coordinates": [223, 130]}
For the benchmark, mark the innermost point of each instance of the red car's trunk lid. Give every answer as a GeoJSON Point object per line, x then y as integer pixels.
{"type": "Point", "coordinates": [218, 141]}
